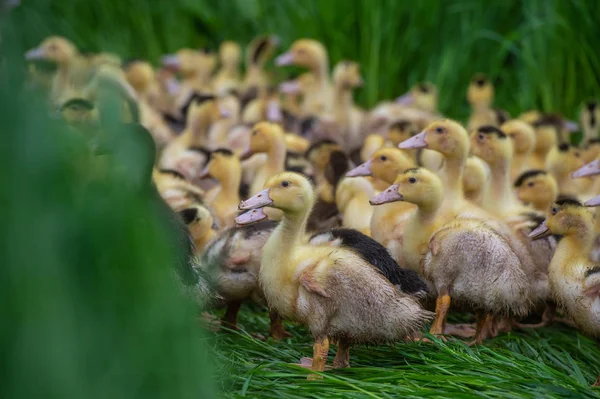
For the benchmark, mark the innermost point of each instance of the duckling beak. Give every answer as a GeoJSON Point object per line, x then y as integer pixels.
{"type": "Point", "coordinates": [173, 86]}
{"type": "Point", "coordinates": [405, 99]}
{"type": "Point", "coordinates": [224, 112]}
{"type": "Point", "coordinates": [205, 173]}
{"type": "Point", "coordinates": [170, 61]}
{"type": "Point", "coordinates": [390, 194]}
{"type": "Point", "coordinates": [363, 169]}
{"type": "Point", "coordinates": [417, 141]}
{"type": "Point", "coordinates": [285, 59]}
{"type": "Point", "coordinates": [593, 201]}
{"type": "Point", "coordinates": [246, 154]}
{"type": "Point", "coordinates": [290, 87]}
{"type": "Point", "coordinates": [274, 112]}
{"type": "Point", "coordinates": [35, 54]}
{"type": "Point", "coordinates": [540, 232]}
{"type": "Point", "coordinates": [257, 201]}
{"type": "Point", "coordinates": [253, 216]}
{"type": "Point", "coordinates": [591, 169]}
{"type": "Point", "coordinates": [571, 126]}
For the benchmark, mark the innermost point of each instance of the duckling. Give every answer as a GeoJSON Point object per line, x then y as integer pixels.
{"type": "Point", "coordinates": [226, 168]}
{"type": "Point", "coordinates": [352, 199]}
{"type": "Point", "coordinates": [537, 188]}
{"type": "Point", "coordinates": [293, 89]}
{"type": "Point", "coordinates": [228, 77]}
{"type": "Point", "coordinates": [388, 222]}
{"type": "Point", "coordinates": [591, 150]}
{"type": "Point", "coordinates": [423, 96]}
{"type": "Point", "coordinates": [480, 95]}
{"type": "Point", "coordinates": [372, 143]}
{"type": "Point", "coordinates": [523, 138]}
{"type": "Point", "coordinates": [574, 279]}
{"type": "Point", "coordinates": [562, 161]}
{"type": "Point", "coordinates": [456, 255]}
{"type": "Point", "coordinates": [201, 114]}
{"type": "Point", "coordinates": [319, 286]}
{"type": "Point", "coordinates": [268, 138]}
{"type": "Point", "coordinates": [229, 116]}
{"type": "Point", "coordinates": [311, 54]}
{"type": "Point", "coordinates": [258, 53]}
{"type": "Point", "coordinates": [349, 117]}
{"type": "Point", "coordinates": [546, 138]}
{"type": "Point", "coordinates": [231, 263]}
{"type": "Point", "coordinates": [476, 180]}
{"type": "Point", "coordinates": [403, 130]}
{"type": "Point", "coordinates": [590, 121]}
{"type": "Point", "coordinates": [176, 191]}
{"type": "Point", "coordinates": [201, 224]}
{"type": "Point", "coordinates": [296, 144]}
{"type": "Point", "coordinates": [318, 154]}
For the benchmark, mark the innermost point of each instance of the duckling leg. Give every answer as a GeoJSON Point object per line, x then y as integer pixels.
{"type": "Point", "coordinates": [342, 356]}
{"type": "Point", "coordinates": [442, 306]}
{"type": "Point", "coordinates": [229, 319]}
{"type": "Point", "coordinates": [320, 352]}
{"type": "Point", "coordinates": [277, 330]}
{"type": "Point", "coordinates": [484, 328]}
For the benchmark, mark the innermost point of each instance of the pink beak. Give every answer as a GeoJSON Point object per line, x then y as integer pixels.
{"type": "Point", "coordinates": [593, 201]}
{"type": "Point", "coordinates": [274, 112]}
{"type": "Point", "coordinates": [253, 216]}
{"type": "Point", "coordinates": [257, 201]}
{"type": "Point", "coordinates": [205, 173]}
{"type": "Point", "coordinates": [591, 169]}
{"type": "Point", "coordinates": [417, 141]}
{"type": "Point", "coordinates": [171, 61]}
{"type": "Point", "coordinates": [285, 59]}
{"type": "Point", "coordinates": [290, 87]}
{"type": "Point", "coordinates": [571, 126]}
{"type": "Point", "coordinates": [246, 154]}
{"type": "Point", "coordinates": [405, 99]}
{"type": "Point", "coordinates": [363, 169]}
{"type": "Point", "coordinates": [390, 194]}
{"type": "Point", "coordinates": [540, 231]}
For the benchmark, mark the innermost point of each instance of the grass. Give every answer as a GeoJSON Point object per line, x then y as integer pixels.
{"type": "Point", "coordinates": [554, 362]}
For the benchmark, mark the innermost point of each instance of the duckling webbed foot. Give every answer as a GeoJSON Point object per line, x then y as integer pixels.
{"type": "Point", "coordinates": [320, 353]}
{"type": "Point", "coordinates": [277, 330]}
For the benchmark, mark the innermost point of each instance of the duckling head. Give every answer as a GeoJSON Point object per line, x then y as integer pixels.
{"type": "Point", "coordinates": [480, 93]}
{"type": "Point", "coordinates": [536, 186]}
{"type": "Point", "coordinates": [222, 161]}
{"type": "Point", "coordinates": [425, 96]}
{"type": "Point", "coordinates": [492, 145]}
{"type": "Point", "coordinates": [346, 75]}
{"type": "Point", "coordinates": [318, 154]}
{"type": "Point", "coordinates": [201, 110]}
{"type": "Point", "coordinates": [296, 144]}
{"type": "Point", "coordinates": [301, 85]}
{"type": "Point", "coordinates": [306, 53]}
{"type": "Point", "coordinates": [78, 111]}
{"type": "Point", "coordinates": [230, 54]}
{"type": "Point", "coordinates": [591, 150]}
{"type": "Point", "coordinates": [55, 49]}
{"type": "Point", "coordinates": [140, 75]}
{"type": "Point", "coordinates": [417, 186]}
{"type": "Point", "coordinates": [263, 137]}
{"type": "Point", "coordinates": [385, 164]}
{"type": "Point", "coordinates": [198, 219]}
{"type": "Point", "coordinates": [567, 217]}
{"type": "Point", "coordinates": [522, 135]}
{"type": "Point", "coordinates": [564, 158]}
{"type": "Point", "coordinates": [444, 136]}
{"type": "Point", "coordinates": [288, 191]}
{"type": "Point", "coordinates": [260, 50]}
{"type": "Point", "coordinates": [546, 135]}
{"type": "Point", "coordinates": [589, 169]}
{"type": "Point", "coordinates": [400, 131]}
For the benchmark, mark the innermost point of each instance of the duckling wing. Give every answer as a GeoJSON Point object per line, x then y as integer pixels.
{"type": "Point", "coordinates": [310, 282]}
{"type": "Point", "coordinates": [591, 284]}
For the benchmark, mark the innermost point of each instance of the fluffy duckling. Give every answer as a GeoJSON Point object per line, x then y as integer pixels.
{"type": "Point", "coordinates": [319, 286]}
{"type": "Point", "coordinates": [228, 77]}
{"type": "Point", "coordinates": [296, 144]}
{"type": "Point", "coordinates": [574, 279]}
{"type": "Point", "coordinates": [476, 180]}
{"type": "Point", "coordinates": [175, 189]}
{"type": "Point", "coordinates": [480, 95]}
{"type": "Point", "coordinates": [319, 154]}
{"type": "Point", "coordinates": [546, 138]}
{"type": "Point", "coordinates": [352, 199]}
{"type": "Point", "coordinates": [229, 116]}
{"type": "Point", "coordinates": [537, 188]}
{"type": "Point", "coordinates": [268, 138]}
{"type": "Point", "coordinates": [349, 117]}
{"type": "Point", "coordinates": [423, 96]}
{"type": "Point", "coordinates": [258, 53]}
{"type": "Point", "coordinates": [201, 224]}
{"type": "Point", "coordinates": [293, 89]}
{"type": "Point", "coordinates": [225, 167]}
{"type": "Point", "coordinates": [311, 54]}
{"type": "Point", "coordinates": [590, 121]}
{"type": "Point", "coordinates": [372, 143]}
{"type": "Point", "coordinates": [522, 135]}
{"type": "Point", "coordinates": [562, 161]}
{"type": "Point", "coordinates": [467, 260]}
{"type": "Point", "coordinates": [388, 221]}
{"type": "Point", "coordinates": [231, 264]}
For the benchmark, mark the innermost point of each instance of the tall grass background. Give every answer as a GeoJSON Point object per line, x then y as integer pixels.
{"type": "Point", "coordinates": [89, 307]}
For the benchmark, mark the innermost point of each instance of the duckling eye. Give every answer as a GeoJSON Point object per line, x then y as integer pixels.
{"type": "Point", "coordinates": [285, 183]}
{"type": "Point", "coordinates": [480, 136]}
{"type": "Point", "coordinates": [554, 210]}
{"type": "Point", "coordinates": [254, 133]}
{"type": "Point", "coordinates": [412, 180]}
{"type": "Point", "coordinates": [439, 130]}
{"type": "Point", "coordinates": [577, 154]}
{"type": "Point", "coordinates": [530, 184]}
{"type": "Point", "coordinates": [383, 158]}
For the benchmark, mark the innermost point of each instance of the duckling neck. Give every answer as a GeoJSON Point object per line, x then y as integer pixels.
{"type": "Point", "coordinates": [276, 156]}
{"type": "Point", "coordinates": [576, 246]}
{"type": "Point", "coordinates": [230, 184]}
{"type": "Point", "coordinates": [499, 188]}
{"type": "Point", "coordinates": [278, 249]}
{"type": "Point", "coordinates": [452, 171]}
{"type": "Point", "coordinates": [343, 97]}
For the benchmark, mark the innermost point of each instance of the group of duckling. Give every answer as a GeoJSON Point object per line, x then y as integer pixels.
{"type": "Point", "coordinates": [361, 225]}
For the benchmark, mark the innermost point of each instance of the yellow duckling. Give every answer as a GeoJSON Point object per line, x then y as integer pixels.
{"type": "Point", "coordinates": [229, 116]}
{"type": "Point", "coordinates": [293, 89]}
{"type": "Point", "coordinates": [562, 161]}
{"type": "Point", "coordinates": [258, 53]}
{"type": "Point", "coordinates": [200, 223]}
{"type": "Point", "coordinates": [372, 143]}
{"type": "Point", "coordinates": [319, 155]}
{"type": "Point", "coordinates": [311, 54]}
{"type": "Point", "coordinates": [175, 189]}
{"type": "Point", "coordinates": [322, 287]}
{"type": "Point", "coordinates": [480, 95]}
{"type": "Point", "coordinates": [225, 167]}
{"type": "Point", "coordinates": [352, 199]}
{"type": "Point", "coordinates": [574, 279]}
{"type": "Point", "coordinates": [228, 77]}
{"type": "Point", "coordinates": [476, 180]}
{"type": "Point", "coordinates": [349, 117]}
{"type": "Point", "coordinates": [522, 135]}
{"type": "Point", "coordinates": [423, 96]}
{"type": "Point", "coordinates": [537, 188]}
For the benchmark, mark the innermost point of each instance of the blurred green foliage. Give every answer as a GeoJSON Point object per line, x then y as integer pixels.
{"type": "Point", "coordinates": [90, 303]}
{"type": "Point", "coordinates": [543, 53]}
